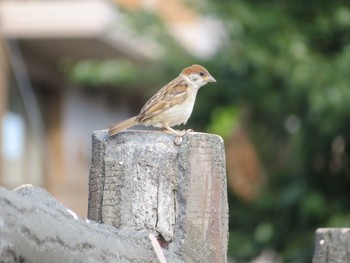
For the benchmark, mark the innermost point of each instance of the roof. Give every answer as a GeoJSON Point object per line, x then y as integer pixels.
{"type": "Point", "coordinates": [79, 29]}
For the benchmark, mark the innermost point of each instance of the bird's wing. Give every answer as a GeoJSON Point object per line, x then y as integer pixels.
{"type": "Point", "coordinates": [173, 93]}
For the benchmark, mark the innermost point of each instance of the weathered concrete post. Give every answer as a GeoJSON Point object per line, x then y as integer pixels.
{"type": "Point", "coordinates": [332, 245]}
{"type": "Point", "coordinates": [142, 180]}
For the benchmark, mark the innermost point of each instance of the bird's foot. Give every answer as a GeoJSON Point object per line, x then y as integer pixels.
{"type": "Point", "coordinates": [175, 132]}
{"type": "Point", "coordinates": [178, 138]}
{"type": "Point", "coordinates": [178, 134]}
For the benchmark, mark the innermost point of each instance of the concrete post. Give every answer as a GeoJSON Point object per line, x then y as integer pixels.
{"type": "Point", "coordinates": [332, 245]}
{"type": "Point", "coordinates": [142, 180]}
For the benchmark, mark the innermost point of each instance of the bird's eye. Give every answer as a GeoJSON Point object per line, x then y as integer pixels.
{"type": "Point", "coordinates": [201, 73]}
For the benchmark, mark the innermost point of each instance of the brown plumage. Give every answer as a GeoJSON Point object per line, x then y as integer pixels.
{"type": "Point", "coordinates": [172, 105]}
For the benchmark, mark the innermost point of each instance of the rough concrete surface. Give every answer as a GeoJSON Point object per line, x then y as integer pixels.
{"type": "Point", "coordinates": [332, 245]}
{"type": "Point", "coordinates": [143, 180]}
{"type": "Point", "coordinates": [35, 227]}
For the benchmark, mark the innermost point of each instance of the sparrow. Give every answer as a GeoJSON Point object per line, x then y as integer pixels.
{"type": "Point", "coordinates": [172, 105]}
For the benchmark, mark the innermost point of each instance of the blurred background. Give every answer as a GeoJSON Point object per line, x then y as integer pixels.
{"type": "Point", "coordinates": [282, 102]}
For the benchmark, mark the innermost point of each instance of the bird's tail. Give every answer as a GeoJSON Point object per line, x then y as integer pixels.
{"type": "Point", "coordinates": [122, 126]}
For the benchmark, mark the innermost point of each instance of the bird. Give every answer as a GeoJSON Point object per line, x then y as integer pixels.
{"type": "Point", "coordinates": [172, 105]}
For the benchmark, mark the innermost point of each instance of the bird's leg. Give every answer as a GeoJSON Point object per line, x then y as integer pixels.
{"type": "Point", "coordinates": [178, 134]}
{"type": "Point", "coordinates": [166, 128]}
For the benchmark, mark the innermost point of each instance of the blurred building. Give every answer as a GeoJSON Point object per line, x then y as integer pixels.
{"type": "Point", "coordinates": [46, 124]}
{"type": "Point", "coordinates": [199, 34]}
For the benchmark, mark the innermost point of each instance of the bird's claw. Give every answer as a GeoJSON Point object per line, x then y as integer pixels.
{"type": "Point", "coordinates": [178, 140]}
{"type": "Point", "coordinates": [183, 132]}
{"type": "Point", "coordinates": [179, 134]}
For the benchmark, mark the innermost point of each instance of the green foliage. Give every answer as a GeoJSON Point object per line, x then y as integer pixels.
{"type": "Point", "coordinates": [93, 73]}
{"type": "Point", "coordinates": [224, 121]}
{"type": "Point", "coordinates": [289, 64]}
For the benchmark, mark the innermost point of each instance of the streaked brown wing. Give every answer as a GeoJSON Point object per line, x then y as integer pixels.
{"type": "Point", "coordinates": [172, 94]}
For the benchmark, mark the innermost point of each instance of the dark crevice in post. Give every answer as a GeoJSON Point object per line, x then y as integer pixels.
{"type": "Point", "coordinates": [162, 242]}
{"type": "Point", "coordinates": [158, 212]}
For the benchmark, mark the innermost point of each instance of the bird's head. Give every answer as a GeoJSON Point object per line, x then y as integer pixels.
{"type": "Point", "coordinates": [197, 75]}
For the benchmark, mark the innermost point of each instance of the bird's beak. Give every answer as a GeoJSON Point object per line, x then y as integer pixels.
{"type": "Point", "coordinates": [210, 79]}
